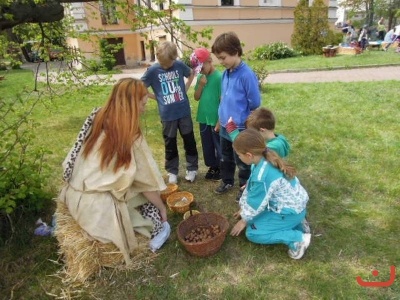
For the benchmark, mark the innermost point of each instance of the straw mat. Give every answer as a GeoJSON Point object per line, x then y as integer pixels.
{"type": "Point", "coordinates": [85, 257]}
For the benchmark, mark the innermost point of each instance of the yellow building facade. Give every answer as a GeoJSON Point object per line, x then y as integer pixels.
{"type": "Point", "coordinates": [256, 22]}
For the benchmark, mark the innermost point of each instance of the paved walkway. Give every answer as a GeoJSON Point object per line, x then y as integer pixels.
{"type": "Point", "coordinates": [343, 75]}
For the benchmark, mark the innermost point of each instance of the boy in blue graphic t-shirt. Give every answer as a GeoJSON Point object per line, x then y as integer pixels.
{"type": "Point", "coordinates": [167, 80]}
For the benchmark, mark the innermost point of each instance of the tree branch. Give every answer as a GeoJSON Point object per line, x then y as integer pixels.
{"type": "Point", "coordinates": [29, 12]}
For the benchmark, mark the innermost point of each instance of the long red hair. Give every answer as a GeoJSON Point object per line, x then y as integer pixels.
{"type": "Point", "coordinates": [119, 120]}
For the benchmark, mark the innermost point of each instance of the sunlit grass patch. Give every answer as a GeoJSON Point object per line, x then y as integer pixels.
{"type": "Point", "coordinates": [345, 145]}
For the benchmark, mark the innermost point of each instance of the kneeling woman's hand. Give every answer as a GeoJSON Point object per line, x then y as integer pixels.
{"type": "Point", "coordinates": [236, 215]}
{"type": "Point", "coordinates": [238, 228]}
{"type": "Point", "coordinates": [163, 214]}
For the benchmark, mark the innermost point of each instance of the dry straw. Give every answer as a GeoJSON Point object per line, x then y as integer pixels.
{"type": "Point", "coordinates": [85, 257]}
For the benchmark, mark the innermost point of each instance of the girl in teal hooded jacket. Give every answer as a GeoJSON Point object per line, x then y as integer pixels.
{"type": "Point", "coordinates": [273, 204]}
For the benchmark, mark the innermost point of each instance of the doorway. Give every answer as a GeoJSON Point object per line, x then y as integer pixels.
{"type": "Point", "coordinates": [143, 50]}
{"type": "Point", "coordinates": [120, 54]}
{"type": "Point", "coordinates": [152, 51]}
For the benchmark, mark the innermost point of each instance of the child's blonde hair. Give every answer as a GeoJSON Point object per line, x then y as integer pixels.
{"type": "Point", "coordinates": [167, 51]}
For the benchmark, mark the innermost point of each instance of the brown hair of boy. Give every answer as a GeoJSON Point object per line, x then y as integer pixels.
{"type": "Point", "coordinates": [251, 141]}
{"type": "Point", "coordinates": [261, 118]}
{"type": "Point", "coordinates": [227, 42]}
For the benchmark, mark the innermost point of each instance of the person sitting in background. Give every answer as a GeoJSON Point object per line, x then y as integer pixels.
{"type": "Point", "coordinates": [388, 36]}
{"type": "Point", "coordinates": [346, 26]}
{"type": "Point", "coordinates": [363, 38]}
{"type": "Point", "coordinates": [394, 37]}
{"type": "Point", "coordinates": [346, 40]}
{"type": "Point", "coordinates": [381, 29]}
{"type": "Point", "coordinates": [353, 37]}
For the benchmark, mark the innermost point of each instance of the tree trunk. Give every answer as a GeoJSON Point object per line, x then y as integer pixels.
{"type": "Point", "coordinates": [370, 19]}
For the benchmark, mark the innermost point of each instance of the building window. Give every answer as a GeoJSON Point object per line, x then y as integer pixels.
{"type": "Point", "coordinates": [108, 12]}
{"type": "Point", "coordinates": [226, 2]}
{"type": "Point", "coordinates": [161, 5]}
{"type": "Point", "coordinates": [270, 3]}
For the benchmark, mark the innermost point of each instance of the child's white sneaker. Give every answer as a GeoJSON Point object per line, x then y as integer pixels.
{"type": "Point", "coordinates": [301, 247]}
{"type": "Point", "coordinates": [305, 226]}
{"type": "Point", "coordinates": [172, 178]}
{"type": "Point", "coordinates": [190, 175]}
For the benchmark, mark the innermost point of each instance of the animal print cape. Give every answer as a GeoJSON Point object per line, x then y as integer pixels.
{"type": "Point", "coordinates": [83, 134]}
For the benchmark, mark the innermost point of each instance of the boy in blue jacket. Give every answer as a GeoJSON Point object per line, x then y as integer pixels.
{"type": "Point", "coordinates": [240, 95]}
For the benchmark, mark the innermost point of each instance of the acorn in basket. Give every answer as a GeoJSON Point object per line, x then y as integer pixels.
{"type": "Point", "coordinates": [203, 234]}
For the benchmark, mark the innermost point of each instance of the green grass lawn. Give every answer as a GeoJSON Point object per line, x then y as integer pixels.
{"type": "Point", "coordinates": [345, 145]}
{"type": "Point", "coordinates": [367, 58]}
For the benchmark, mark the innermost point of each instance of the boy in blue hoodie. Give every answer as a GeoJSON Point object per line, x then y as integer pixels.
{"type": "Point", "coordinates": [240, 95]}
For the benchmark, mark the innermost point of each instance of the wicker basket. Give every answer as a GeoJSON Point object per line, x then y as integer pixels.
{"type": "Point", "coordinates": [171, 188]}
{"type": "Point", "coordinates": [210, 246]}
{"type": "Point", "coordinates": [187, 214]}
{"type": "Point", "coordinates": [349, 50]}
{"type": "Point", "coordinates": [176, 197]}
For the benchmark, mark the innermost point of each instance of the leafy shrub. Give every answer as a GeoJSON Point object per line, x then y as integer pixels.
{"type": "Point", "coordinates": [186, 57]}
{"type": "Point", "coordinates": [278, 50]}
{"type": "Point", "coordinates": [261, 72]}
{"type": "Point", "coordinates": [11, 53]}
{"type": "Point", "coordinates": [334, 38]}
{"type": "Point", "coordinates": [16, 64]}
{"type": "Point", "coordinates": [22, 171]}
{"type": "Point", "coordinates": [92, 65]}
{"type": "Point", "coordinates": [107, 53]}
{"type": "Point", "coordinates": [311, 28]}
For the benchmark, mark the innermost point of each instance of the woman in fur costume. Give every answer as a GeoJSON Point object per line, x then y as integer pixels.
{"type": "Point", "coordinates": [112, 183]}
